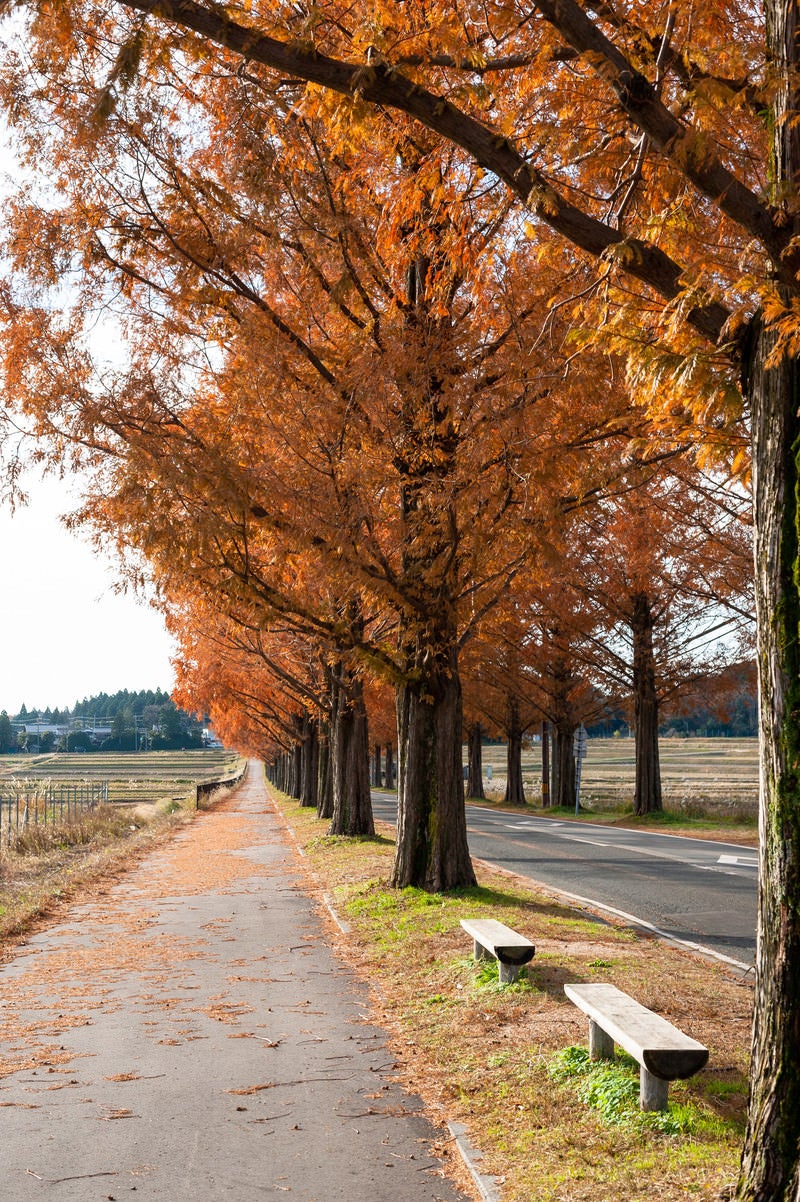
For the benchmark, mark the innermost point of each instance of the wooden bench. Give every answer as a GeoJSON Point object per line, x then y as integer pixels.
{"type": "Point", "coordinates": [664, 1053]}
{"type": "Point", "coordinates": [492, 938]}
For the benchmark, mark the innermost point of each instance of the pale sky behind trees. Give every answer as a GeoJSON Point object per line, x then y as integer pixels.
{"type": "Point", "coordinates": [65, 633]}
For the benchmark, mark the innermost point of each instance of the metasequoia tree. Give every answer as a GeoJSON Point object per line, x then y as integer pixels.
{"type": "Point", "coordinates": [667, 573]}
{"type": "Point", "coordinates": [663, 142]}
{"type": "Point", "coordinates": [268, 692]}
{"type": "Point", "coordinates": [362, 420]}
{"type": "Point", "coordinates": [527, 663]}
{"type": "Point", "coordinates": [501, 689]}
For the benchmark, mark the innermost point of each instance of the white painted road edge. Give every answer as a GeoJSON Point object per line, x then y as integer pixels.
{"type": "Point", "coordinates": [589, 902]}
{"type": "Point", "coordinates": [342, 923]}
{"type": "Point", "coordinates": [700, 948]}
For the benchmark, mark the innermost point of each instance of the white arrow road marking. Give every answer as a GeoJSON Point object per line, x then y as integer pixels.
{"type": "Point", "coordinates": [738, 861]}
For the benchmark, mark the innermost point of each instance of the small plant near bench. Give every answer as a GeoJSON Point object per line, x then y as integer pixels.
{"type": "Point", "coordinates": [612, 1089]}
{"type": "Point", "coordinates": [485, 976]}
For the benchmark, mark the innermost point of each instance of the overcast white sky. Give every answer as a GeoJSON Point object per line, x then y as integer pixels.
{"type": "Point", "coordinates": [65, 634]}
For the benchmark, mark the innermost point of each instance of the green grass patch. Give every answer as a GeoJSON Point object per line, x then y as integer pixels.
{"type": "Point", "coordinates": [612, 1089]}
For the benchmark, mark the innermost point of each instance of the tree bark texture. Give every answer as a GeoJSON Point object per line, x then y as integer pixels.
{"type": "Point", "coordinates": [771, 1159]}
{"type": "Point", "coordinates": [475, 761]}
{"type": "Point", "coordinates": [388, 753]}
{"type": "Point", "coordinates": [309, 760]}
{"type": "Point", "coordinates": [563, 764]}
{"type": "Point", "coordinates": [562, 729]}
{"type": "Point", "coordinates": [296, 770]}
{"type": "Point", "coordinates": [647, 793]}
{"type": "Point", "coordinates": [770, 1170]}
{"type": "Point", "coordinates": [325, 788]}
{"type": "Point", "coordinates": [431, 851]}
{"type": "Point", "coordinates": [515, 792]}
{"type": "Point", "coordinates": [352, 800]}
{"type": "Point", "coordinates": [546, 802]}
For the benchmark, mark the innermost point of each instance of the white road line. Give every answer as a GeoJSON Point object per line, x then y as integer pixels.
{"type": "Point", "coordinates": [593, 842]}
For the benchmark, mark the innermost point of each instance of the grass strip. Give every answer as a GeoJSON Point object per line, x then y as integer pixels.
{"type": "Point", "coordinates": [483, 1055]}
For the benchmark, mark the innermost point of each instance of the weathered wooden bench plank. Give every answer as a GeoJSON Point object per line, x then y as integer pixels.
{"type": "Point", "coordinates": [663, 1051]}
{"type": "Point", "coordinates": [493, 938]}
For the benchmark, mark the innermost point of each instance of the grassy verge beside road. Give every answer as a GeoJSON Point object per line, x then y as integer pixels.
{"type": "Point", "coordinates": [498, 1060]}
{"type": "Point", "coordinates": [725, 828]}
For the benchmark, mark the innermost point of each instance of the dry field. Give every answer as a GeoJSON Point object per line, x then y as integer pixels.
{"type": "Point", "coordinates": [135, 778]}
{"type": "Point", "coordinates": [713, 776]}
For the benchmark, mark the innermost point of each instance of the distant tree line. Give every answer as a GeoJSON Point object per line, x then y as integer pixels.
{"type": "Point", "coordinates": [723, 704]}
{"type": "Point", "coordinates": [123, 721]}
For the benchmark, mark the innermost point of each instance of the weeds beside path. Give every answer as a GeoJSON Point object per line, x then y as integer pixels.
{"type": "Point", "coordinates": [54, 865]}
{"type": "Point", "coordinates": [494, 1058]}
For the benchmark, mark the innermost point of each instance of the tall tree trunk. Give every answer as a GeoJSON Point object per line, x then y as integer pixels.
{"type": "Point", "coordinates": [647, 793]}
{"type": "Point", "coordinates": [296, 770]}
{"type": "Point", "coordinates": [389, 758]}
{"type": "Point", "coordinates": [515, 793]}
{"type": "Point", "coordinates": [475, 761]}
{"type": "Point", "coordinates": [325, 791]}
{"type": "Point", "coordinates": [770, 1163]}
{"type": "Point", "coordinates": [546, 802]}
{"type": "Point", "coordinates": [432, 851]}
{"type": "Point", "coordinates": [352, 801]}
{"type": "Point", "coordinates": [376, 766]}
{"type": "Point", "coordinates": [771, 1159]}
{"type": "Point", "coordinates": [308, 784]}
{"type": "Point", "coordinates": [563, 764]}
{"type": "Point", "coordinates": [314, 767]}
{"type": "Point", "coordinates": [562, 728]}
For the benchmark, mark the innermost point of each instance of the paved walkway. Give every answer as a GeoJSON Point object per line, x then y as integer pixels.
{"type": "Point", "coordinates": [191, 1037]}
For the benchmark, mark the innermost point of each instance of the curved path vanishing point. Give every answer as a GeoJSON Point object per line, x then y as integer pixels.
{"type": "Point", "coordinates": [190, 1036]}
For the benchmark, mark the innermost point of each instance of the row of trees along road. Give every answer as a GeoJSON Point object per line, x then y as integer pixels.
{"type": "Point", "coordinates": [343, 418]}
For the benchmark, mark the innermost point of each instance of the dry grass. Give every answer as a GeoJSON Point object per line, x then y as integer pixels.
{"type": "Point", "coordinates": [711, 777]}
{"type": "Point", "coordinates": [45, 867]}
{"type": "Point", "coordinates": [138, 777]}
{"type": "Point", "coordinates": [484, 1055]}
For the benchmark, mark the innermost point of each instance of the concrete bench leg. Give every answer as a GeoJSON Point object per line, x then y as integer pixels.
{"type": "Point", "coordinates": [479, 952]}
{"type": "Point", "coordinates": [652, 1091]}
{"type": "Point", "coordinates": [508, 973]}
{"type": "Point", "coordinates": [601, 1045]}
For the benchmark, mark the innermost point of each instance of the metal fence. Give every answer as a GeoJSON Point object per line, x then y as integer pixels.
{"type": "Point", "coordinates": [40, 803]}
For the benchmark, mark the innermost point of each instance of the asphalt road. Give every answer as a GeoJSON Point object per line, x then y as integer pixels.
{"type": "Point", "coordinates": [693, 890]}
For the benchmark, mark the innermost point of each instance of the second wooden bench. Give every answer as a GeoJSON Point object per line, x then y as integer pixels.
{"type": "Point", "coordinates": [663, 1051]}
